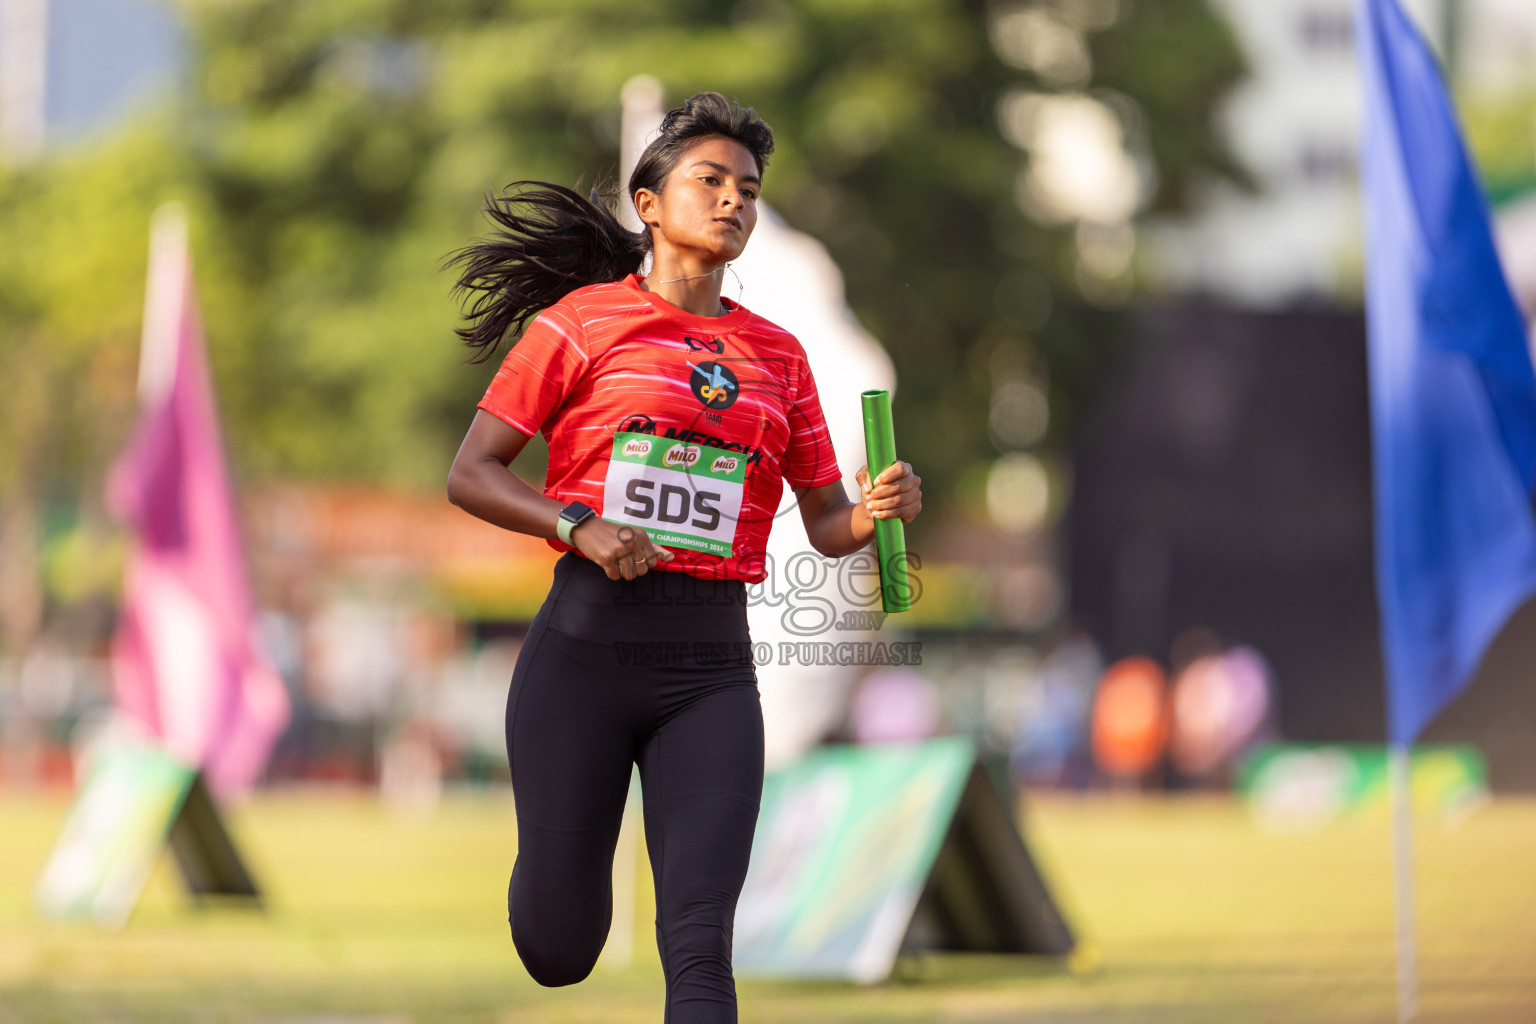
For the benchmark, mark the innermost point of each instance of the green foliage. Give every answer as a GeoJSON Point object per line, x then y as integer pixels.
{"type": "Point", "coordinates": [334, 153]}
{"type": "Point", "coordinates": [1175, 61]}
{"type": "Point", "coordinates": [71, 296]}
{"type": "Point", "coordinates": [1501, 132]}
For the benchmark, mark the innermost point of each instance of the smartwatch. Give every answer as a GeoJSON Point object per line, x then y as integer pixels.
{"type": "Point", "coordinates": [572, 514]}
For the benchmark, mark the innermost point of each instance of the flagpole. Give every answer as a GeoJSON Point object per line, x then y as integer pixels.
{"type": "Point", "coordinates": [1402, 870]}
{"type": "Point", "coordinates": [164, 296]}
{"type": "Point", "coordinates": [1450, 416]}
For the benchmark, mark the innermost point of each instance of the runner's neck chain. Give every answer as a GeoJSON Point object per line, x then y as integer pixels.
{"type": "Point", "coordinates": [694, 277]}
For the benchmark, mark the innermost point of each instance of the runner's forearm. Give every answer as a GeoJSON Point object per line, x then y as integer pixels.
{"type": "Point", "coordinates": [841, 529]}
{"type": "Point", "coordinates": [488, 490]}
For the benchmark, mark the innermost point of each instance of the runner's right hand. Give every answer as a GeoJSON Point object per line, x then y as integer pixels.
{"type": "Point", "coordinates": [622, 550]}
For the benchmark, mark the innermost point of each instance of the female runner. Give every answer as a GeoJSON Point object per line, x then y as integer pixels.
{"type": "Point", "coordinates": [673, 417]}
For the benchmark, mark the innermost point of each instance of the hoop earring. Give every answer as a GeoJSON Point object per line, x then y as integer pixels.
{"type": "Point", "coordinates": [739, 286]}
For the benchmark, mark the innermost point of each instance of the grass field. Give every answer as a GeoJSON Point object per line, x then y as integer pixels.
{"type": "Point", "coordinates": [1196, 916]}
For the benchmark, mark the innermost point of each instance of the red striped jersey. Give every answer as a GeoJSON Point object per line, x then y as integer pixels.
{"type": "Point", "coordinates": [685, 425]}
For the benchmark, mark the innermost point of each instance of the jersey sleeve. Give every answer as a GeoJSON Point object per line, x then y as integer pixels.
{"type": "Point", "coordinates": [810, 460]}
{"type": "Point", "coordinates": [539, 372]}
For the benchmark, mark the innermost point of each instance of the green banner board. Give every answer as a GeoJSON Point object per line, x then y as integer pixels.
{"type": "Point", "coordinates": [133, 803]}
{"type": "Point", "coordinates": [844, 859]}
{"type": "Point", "coordinates": [1298, 786]}
{"type": "Point", "coordinates": [113, 836]}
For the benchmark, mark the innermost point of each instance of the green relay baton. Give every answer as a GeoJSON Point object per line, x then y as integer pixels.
{"type": "Point", "coordinates": [890, 534]}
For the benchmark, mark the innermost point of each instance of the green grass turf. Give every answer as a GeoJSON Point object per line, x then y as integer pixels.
{"type": "Point", "coordinates": [1196, 916]}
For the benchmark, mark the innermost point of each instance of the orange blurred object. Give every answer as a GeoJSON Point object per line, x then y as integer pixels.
{"type": "Point", "coordinates": [1130, 718]}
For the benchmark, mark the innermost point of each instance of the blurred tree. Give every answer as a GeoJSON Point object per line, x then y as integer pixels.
{"type": "Point", "coordinates": [334, 153]}
{"type": "Point", "coordinates": [348, 146]}
{"type": "Point", "coordinates": [71, 296]}
{"type": "Point", "coordinates": [1501, 132]}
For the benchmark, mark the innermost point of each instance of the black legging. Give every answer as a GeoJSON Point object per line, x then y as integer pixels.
{"type": "Point", "coordinates": [656, 672]}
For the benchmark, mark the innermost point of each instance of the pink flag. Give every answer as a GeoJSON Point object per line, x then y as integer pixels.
{"type": "Point", "coordinates": [185, 661]}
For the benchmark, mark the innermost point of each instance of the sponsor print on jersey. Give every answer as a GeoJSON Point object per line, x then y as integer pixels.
{"type": "Point", "coordinates": [684, 495]}
{"type": "Point", "coordinates": [713, 384]}
{"type": "Point", "coordinates": [714, 345]}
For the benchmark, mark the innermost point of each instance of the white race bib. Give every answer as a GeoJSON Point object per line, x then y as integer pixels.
{"type": "Point", "coordinates": [684, 495]}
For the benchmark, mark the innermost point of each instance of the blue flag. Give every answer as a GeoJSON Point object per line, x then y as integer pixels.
{"type": "Point", "coordinates": [1453, 394]}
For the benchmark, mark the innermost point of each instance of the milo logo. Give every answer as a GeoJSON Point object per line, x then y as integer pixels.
{"type": "Point", "coordinates": [683, 455]}
{"type": "Point", "coordinates": [638, 446]}
{"type": "Point", "coordinates": [724, 464]}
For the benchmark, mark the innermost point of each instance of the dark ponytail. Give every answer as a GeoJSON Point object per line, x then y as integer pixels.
{"type": "Point", "coordinates": [551, 241]}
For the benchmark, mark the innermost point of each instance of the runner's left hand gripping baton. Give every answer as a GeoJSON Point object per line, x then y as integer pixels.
{"type": "Point", "coordinates": [890, 534]}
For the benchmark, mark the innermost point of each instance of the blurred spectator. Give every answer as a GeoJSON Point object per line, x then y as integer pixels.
{"type": "Point", "coordinates": [358, 657]}
{"type": "Point", "coordinates": [1051, 741]}
{"type": "Point", "coordinates": [468, 708]}
{"type": "Point", "coordinates": [1130, 719]}
{"type": "Point", "coordinates": [411, 770]}
{"type": "Point", "coordinates": [893, 705]}
{"type": "Point", "coordinates": [1219, 703]}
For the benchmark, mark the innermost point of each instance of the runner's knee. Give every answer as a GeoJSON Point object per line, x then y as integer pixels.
{"type": "Point", "coordinates": [552, 963]}
{"type": "Point", "coordinates": [558, 940]}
